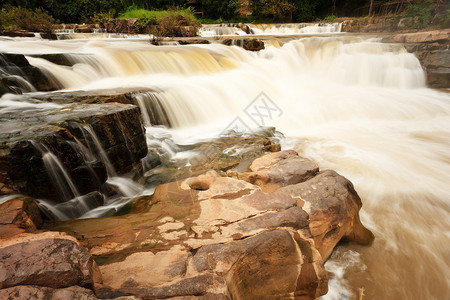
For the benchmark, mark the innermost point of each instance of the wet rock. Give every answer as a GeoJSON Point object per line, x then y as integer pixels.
{"type": "Point", "coordinates": [57, 129]}
{"type": "Point", "coordinates": [431, 48]}
{"type": "Point", "coordinates": [214, 236]}
{"type": "Point", "coordinates": [253, 44]}
{"type": "Point", "coordinates": [193, 42]}
{"type": "Point", "coordinates": [332, 205]}
{"type": "Point", "coordinates": [17, 33]}
{"type": "Point", "coordinates": [47, 259]}
{"type": "Point", "coordinates": [17, 65]}
{"type": "Point", "coordinates": [19, 215]}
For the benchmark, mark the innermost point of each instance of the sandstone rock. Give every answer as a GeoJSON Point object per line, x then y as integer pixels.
{"type": "Point", "coordinates": [47, 259]}
{"type": "Point", "coordinates": [32, 292]}
{"type": "Point", "coordinates": [278, 169]}
{"type": "Point", "coordinates": [215, 237]}
{"type": "Point", "coordinates": [332, 205]}
{"type": "Point", "coordinates": [19, 215]}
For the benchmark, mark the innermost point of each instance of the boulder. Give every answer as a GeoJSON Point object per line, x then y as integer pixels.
{"type": "Point", "coordinates": [49, 259]}
{"type": "Point", "coordinates": [253, 44]}
{"type": "Point", "coordinates": [19, 215]}
{"type": "Point", "coordinates": [332, 205]}
{"type": "Point", "coordinates": [278, 169]}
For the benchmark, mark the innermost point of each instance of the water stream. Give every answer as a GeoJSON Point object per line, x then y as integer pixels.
{"type": "Point", "coordinates": [352, 104]}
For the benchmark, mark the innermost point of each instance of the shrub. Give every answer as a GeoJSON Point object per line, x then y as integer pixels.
{"type": "Point", "coordinates": [331, 18]}
{"type": "Point", "coordinates": [16, 18]}
{"type": "Point", "coordinates": [419, 15]}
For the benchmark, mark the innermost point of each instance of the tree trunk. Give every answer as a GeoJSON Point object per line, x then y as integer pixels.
{"type": "Point", "coordinates": [370, 8]}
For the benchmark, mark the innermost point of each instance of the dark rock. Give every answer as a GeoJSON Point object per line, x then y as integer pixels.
{"type": "Point", "coordinates": [193, 42]}
{"type": "Point", "coordinates": [48, 36]}
{"type": "Point", "coordinates": [18, 76]}
{"type": "Point", "coordinates": [47, 259]}
{"type": "Point", "coordinates": [253, 44]}
{"type": "Point", "coordinates": [22, 168]}
{"type": "Point", "coordinates": [17, 33]}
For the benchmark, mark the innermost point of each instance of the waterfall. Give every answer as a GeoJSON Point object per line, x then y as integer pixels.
{"type": "Point", "coordinates": [350, 103]}
{"type": "Point", "coordinates": [296, 28]}
{"type": "Point", "coordinates": [59, 176]}
{"type": "Point", "coordinates": [220, 30]}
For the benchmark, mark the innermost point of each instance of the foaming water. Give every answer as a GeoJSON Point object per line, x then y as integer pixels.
{"type": "Point", "coordinates": [352, 104]}
{"type": "Point", "coordinates": [296, 28]}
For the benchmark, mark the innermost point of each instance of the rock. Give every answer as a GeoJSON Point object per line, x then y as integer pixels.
{"type": "Point", "coordinates": [245, 28]}
{"type": "Point", "coordinates": [193, 42]}
{"type": "Point", "coordinates": [49, 36]}
{"type": "Point", "coordinates": [278, 169]}
{"type": "Point", "coordinates": [17, 33]}
{"type": "Point", "coordinates": [32, 292]}
{"type": "Point", "coordinates": [18, 65]}
{"type": "Point", "coordinates": [19, 215]}
{"type": "Point", "coordinates": [212, 236]}
{"type": "Point", "coordinates": [47, 259]}
{"type": "Point", "coordinates": [22, 168]}
{"type": "Point", "coordinates": [431, 48]}
{"type": "Point", "coordinates": [332, 205]}
{"type": "Point", "coordinates": [253, 44]}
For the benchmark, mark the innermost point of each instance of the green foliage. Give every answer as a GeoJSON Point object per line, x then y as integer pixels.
{"type": "Point", "coordinates": [16, 18]}
{"type": "Point", "coordinates": [330, 18]}
{"type": "Point", "coordinates": [220, 9]}
{"type": "Point", "coordinates": [161, 23]}
{"type": "Point", "coordinates": [305, 10]}
{"type": "Point", "coordinates": [419, 15]}
{"type": "Point", "coordinates": [444, 19]}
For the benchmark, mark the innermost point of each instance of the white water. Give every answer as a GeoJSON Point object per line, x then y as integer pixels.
{"type": "Point", "coordinates": [354, 105]}
{"type": "Point", "coordinates": [296, 28]}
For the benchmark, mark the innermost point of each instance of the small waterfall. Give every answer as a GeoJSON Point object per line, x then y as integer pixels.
{"type": "Point", "coordinates": [59, 176]}
{"type": "Point", "coordinates": [152, 109]}
{"type": "Point", "coordinates": [14, 77]}
{"type": "Point", "coordinates": [96, 147]}
{"type": "Point", "coordinates": [295, 28]}
{"type": "Point", "coordinates": [220, 30]}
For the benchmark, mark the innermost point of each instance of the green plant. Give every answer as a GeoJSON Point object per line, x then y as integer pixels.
{"type": "Point", "coordinates": [331, 18]}
{"type": "Point", "coordinates": [16, 18]}
{"type": "Point", "coordinates": [419, 15]}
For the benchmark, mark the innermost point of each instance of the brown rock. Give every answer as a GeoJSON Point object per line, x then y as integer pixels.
{"type": "Point", "coordinates": [19, 213]}
{"type": "Point", "coordinates": [215, 237]}
{"type": "Point", "coordinates": [31, 292]}
{"type": "Point", "coordinates": [278, 169]}
{"type": "Point", "coordinates": [47, 259]}
{"type": "Point", "coordinates": [333, 205]}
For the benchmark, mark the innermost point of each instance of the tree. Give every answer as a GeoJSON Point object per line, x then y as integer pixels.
{"type": "Point", "coordinates": [220, 9]}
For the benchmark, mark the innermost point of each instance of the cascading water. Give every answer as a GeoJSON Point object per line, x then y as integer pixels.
{"type": "Point", "coordinates": [352, 104]}
{"type": "Point", "coordinates": [296, 28]}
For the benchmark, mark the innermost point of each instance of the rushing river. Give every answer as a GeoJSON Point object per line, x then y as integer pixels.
{"type": "Point", "coordinates": [352, 104]}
